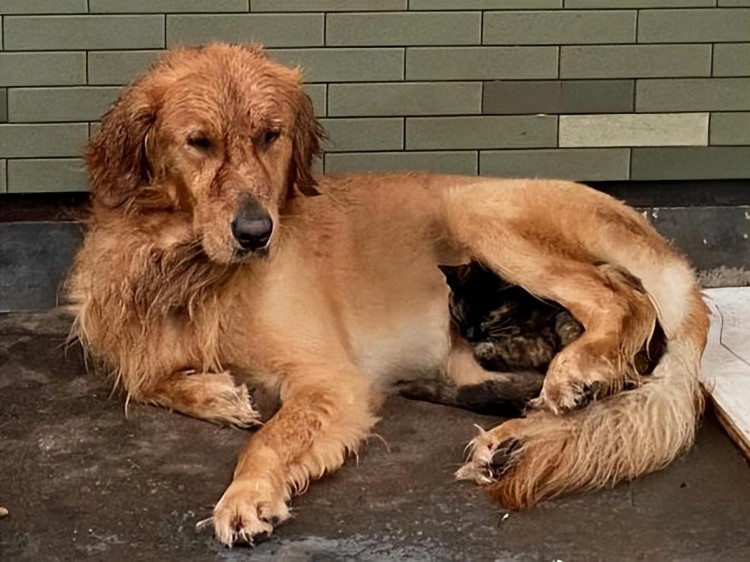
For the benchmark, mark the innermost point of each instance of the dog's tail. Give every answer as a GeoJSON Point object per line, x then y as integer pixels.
{"type": "Point", "coordinates": [636, 431]}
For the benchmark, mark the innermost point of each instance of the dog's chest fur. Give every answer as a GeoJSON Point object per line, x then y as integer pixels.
{"type": "Point", "coordinates": [408, 339]}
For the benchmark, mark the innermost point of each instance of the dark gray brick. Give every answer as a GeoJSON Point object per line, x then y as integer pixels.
{"type": "Point", "coordinates": [485, 4]}
{"type": "Point", "coordinates": [405, 98]}
{"type": "Point", "coordinates": [166, 6]}
{"type": "Point", "coordinates": [404, 28]}
{"type": "Point", "coordinates": [110, 68]}
{"type": "Point", "coordinates": [639, 3]}
{"type": "Point", "coordinates": [327, 5]}
{"type": "Point", "coordinates": [694, 26]}
{"type": "Point", "coordinates": [480, 63]}
{"type": "Point", "coordinates": [46, 175]}
{"type": "Point", "coordinates": [345, 65]}
{"type": "Point", "coordinates": [286, 30]}
{"type": "Point", "coordinates": [29, 141]}
{"type": "Point", "coordinates": [42, 69]}
{"type": "Point", "coordinates": [351, 135]}
{"type": "Point", "coordinates": [558, 96]}
{"type": "Point", "coordinates": [730, 128]}
{"type": "Point", "coordinates": [698, 94]}
{"type": "Point", "coordinates": [3, 105]}
{"type": "Point", "coordinates": [43, 7]}
{"type": "Point", "coordinates": [41, 33]}
{"type": "Point", "coordinates": [635, 61]}
{"type": "Point", "coordinates": [443, 162]}
{"type": "Point", "coordinates": [584, 164]}
{"type": "Point", "coordinates": [732, 59]}
{"type": "Point", "coordinates": [559, 27]}
{"type": "Point", "coordinates": [46, 105]}
{"type": "Point", "coordinates": [681, 163]}
{"type": "Point", "coordinates": [428, 133]}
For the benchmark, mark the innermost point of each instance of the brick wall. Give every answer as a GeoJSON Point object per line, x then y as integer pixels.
{"type": "Point", "coordinates": [582, 89]}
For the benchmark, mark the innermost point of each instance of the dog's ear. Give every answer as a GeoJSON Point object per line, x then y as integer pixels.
{"type": "Point", "coordinates": [307, 142]}
{"type": "Point", "coordinates": [116, 155]}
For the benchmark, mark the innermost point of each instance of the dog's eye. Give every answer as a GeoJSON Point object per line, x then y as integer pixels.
{"type": "Point", "coordinates": [269, 137]}
{"type": "Point", "coordinates": [201, 142]}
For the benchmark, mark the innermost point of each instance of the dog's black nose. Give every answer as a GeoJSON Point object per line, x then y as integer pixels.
{"type": "Point", "coordinates": [252, 226]}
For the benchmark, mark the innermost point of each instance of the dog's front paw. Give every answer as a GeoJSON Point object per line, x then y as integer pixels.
{"type": "Point", "coordinates": [247, 512]}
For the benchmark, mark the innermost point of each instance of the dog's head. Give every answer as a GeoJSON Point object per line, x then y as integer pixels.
{"type": "Point", "coordinates": [220, 132]}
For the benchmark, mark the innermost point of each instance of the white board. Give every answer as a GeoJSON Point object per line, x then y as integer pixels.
{"type": "Point", "coordinates": [726, 361]}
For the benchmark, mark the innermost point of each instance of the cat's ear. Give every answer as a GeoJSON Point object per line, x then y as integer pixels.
{"type": "Point", "coordinates": [455, 275]}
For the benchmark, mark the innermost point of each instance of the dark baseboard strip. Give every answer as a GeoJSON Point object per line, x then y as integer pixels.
{"type": "Point", "coordinates": [688, 193]}
{"type": "Point", "coordinates": [36, 207]}
{"type": "Point", "coordinates": [32, 207]}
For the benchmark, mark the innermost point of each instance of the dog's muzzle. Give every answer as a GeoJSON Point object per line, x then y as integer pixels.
{"type": "Point", "coordinates": [252, 225]}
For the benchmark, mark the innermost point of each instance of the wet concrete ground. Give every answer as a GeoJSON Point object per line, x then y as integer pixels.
{"type": "Point", "coordinates": [83, 481]}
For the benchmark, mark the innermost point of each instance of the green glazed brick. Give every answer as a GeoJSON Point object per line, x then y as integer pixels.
{"type": "Point", "coordinates": [481, 63]}
{"type": "Point", "coordinates": [484, 4]}
{"type": "Point", "coordinates": [699, 94]}
{"type": "Point", "coordinates": [584, 4]}
{"type": "Point", "coordinates": [43, 7]}
{"type": "Point", "coordinates": [42, 33]}
{"type": "Point", "coordinates": [732, 59]}
{"type": "Point", "coordinates": [30, 141]}
{"type": "Point", "coordinates": [406, 98]}
{"type": "Point", "coordinates": [46, 175]}
{"type": "Point", "coordinates": [272, 30]}
{"type": "Point", "coordinates": [351, 135]}
{"type": "Point", "coordinates": [42, 69]}
{"type": "Point", "coordinates": [327, 5]}
{"type": "Point", "coordinates": [442, 162]}
{"type": "Point", "coordinates": [166, 6]}
{"type": "Point", "coordinates": [730, 128]}
{"type": "Point", "coordinates": [345, 65]}
{"type": "Point", "coordinates": [694, 26]}
{"type": "Point", "coordinates": [317, 93]}
{"type": "Point", "coordinates": [115, 68]}
{"type": "Point", "coordinates": [557, 96]}
{"type": "Point", "coordinates": [691, 163]}
{"type": "Point", "coordinates": [480, 132]}
{"type": "Point", "coordinates": [635, 61]}
{"type": "Point", "coordinates": [559, 27]}
{"type": "Point", "coordinates": [404, 28]}
{"type": "Point", "coordinates": [634, 129]}
{"type": "Point", "coordinates": [3, 183]}
{"type": "Point", "coordinates": [3, 105]}
{"type": "Point", "coordinates": [578, 164]}
{"type": "Point", "coordinates": [734, 3]}
{"type": "Point", "coordinates": [48, 105]}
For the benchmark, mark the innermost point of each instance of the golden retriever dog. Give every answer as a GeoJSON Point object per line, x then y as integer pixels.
{"type": "Point", "coordinates": [214, 258]}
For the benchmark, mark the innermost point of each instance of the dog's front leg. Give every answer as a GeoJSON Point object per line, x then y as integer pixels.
{"type": "Point", "coordinates": [324, 415]}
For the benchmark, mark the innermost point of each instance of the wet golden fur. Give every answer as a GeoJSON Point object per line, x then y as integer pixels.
{"type": "Point", "coordinates": [349, 298]}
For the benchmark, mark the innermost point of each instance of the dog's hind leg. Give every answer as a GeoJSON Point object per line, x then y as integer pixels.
{"type": "Point", "coordinates": [617, 317]}
{"type": "Point", "coordinates": [214, 397]}
{"type": "Point", "coordinates": [325, 414]}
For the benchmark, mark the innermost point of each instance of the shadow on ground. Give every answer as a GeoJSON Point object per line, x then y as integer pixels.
{"type": "Point", "coordinates": [82, 480]}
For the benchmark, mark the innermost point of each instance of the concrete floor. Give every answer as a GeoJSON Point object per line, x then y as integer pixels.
{"type": "Point", "coordinates": [82, 481]}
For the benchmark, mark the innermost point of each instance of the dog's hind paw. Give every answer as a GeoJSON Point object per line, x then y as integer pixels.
{"type": "Point", "coordinates": [491, 454]}
{"type": "Point", "coordinates": [246, 513]}
{"type": "Point", "coordinates": [235, 407]}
